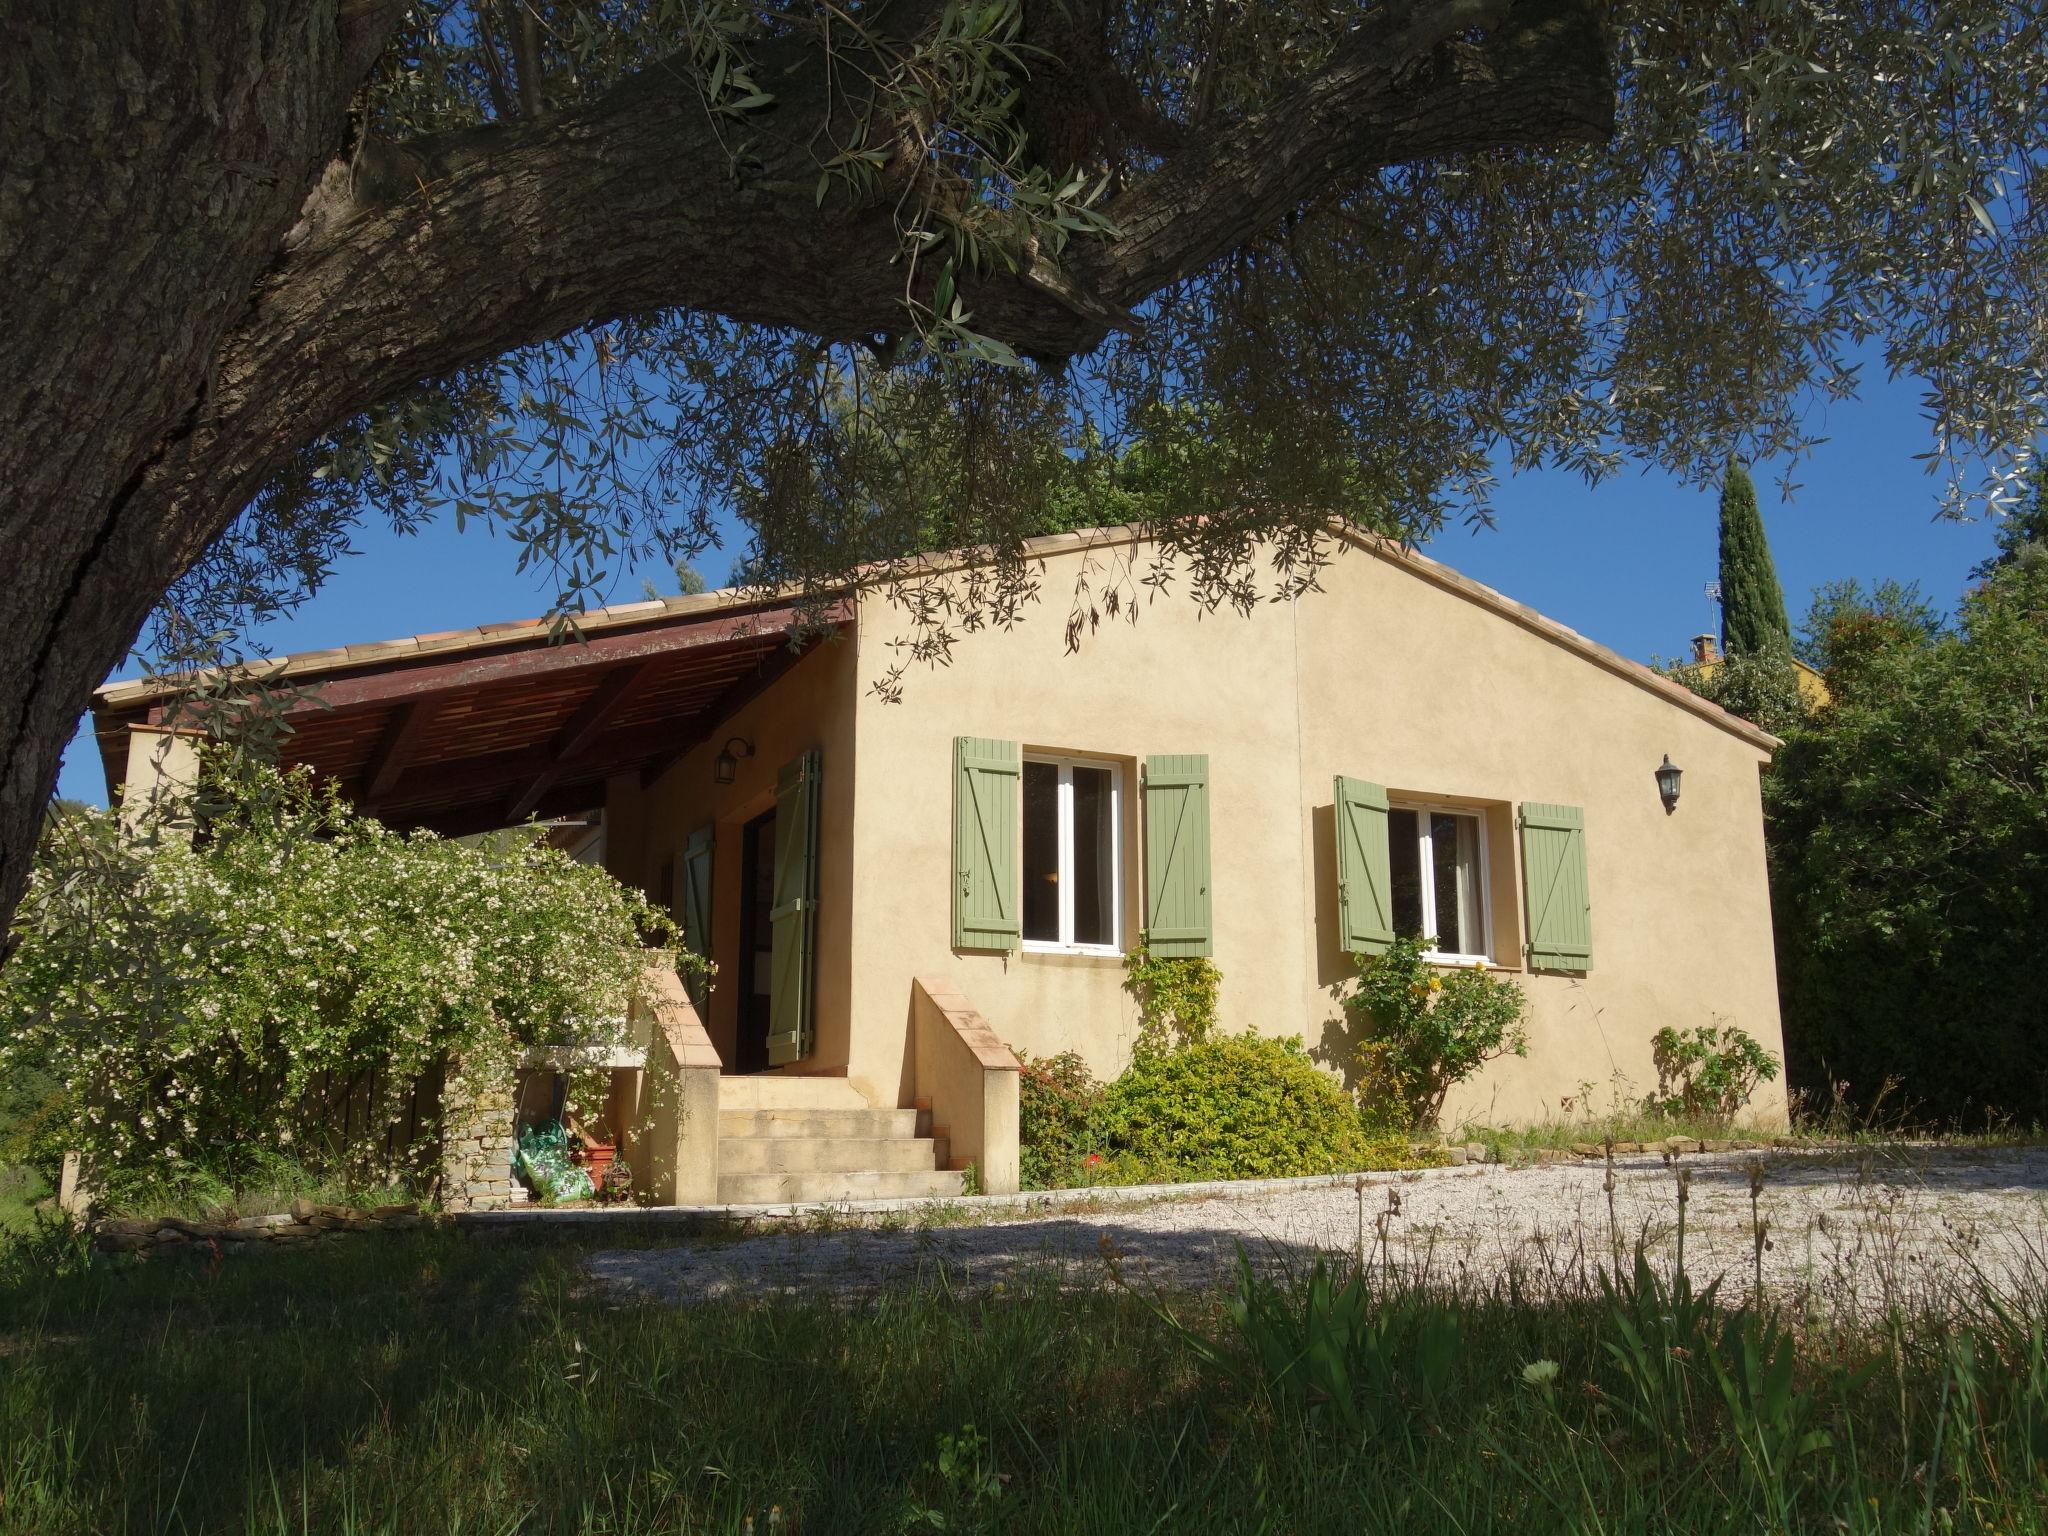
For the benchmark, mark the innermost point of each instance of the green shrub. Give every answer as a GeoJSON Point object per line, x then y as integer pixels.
{"type": "Point", "coordinates": [1909, 861]}
{"type": "Point", "coordinates": [1707, 1071]}
{"type": "Point", "coordinates": [1424, 1029]}
{"type": "Point", "coordinates": [1057, 1097]}
{"type": "Point", "coordinates": [1231, 1107]}
{"type": "Point", "coordinates": [213, 1001]}
{"type": "Point", "coordinates": [1176, 996]}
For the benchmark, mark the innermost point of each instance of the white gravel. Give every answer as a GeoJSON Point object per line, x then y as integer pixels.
{"type": "Point", "coordinates": [1858, 1229]}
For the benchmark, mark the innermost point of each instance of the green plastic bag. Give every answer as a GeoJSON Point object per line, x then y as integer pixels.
{"type": "Point", "coordinates": [543, 1161]}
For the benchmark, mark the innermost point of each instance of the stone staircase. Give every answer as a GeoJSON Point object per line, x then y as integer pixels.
{"type": "Point", "coordinates": [786, 1139]}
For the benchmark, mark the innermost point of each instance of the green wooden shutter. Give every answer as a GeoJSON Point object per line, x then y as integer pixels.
{"type": "Point", "coordinates": [1177, 918]}
{"type": "Point", "coordinates": [986, 888]}
{"type": "Point", "coordinates": [696, 915]}
{"type": "Point", "coordinates": [793, 919]}
{"type": "Point", "coordinates": [1365, 913]}
{"type": "Point", "coordinates": [1554, 878]}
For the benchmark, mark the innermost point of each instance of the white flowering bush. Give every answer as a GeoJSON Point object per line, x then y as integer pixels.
{"type": "Point", "coordinates": [213, 1001]}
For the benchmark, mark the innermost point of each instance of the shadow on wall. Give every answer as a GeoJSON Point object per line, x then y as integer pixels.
{"type": "Point", "coordinates": [1336, 971]}
{"type": "Point", "coordinates": [1337, 1048]}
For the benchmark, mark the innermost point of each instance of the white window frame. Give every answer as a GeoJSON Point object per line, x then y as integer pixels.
{"type": "Point", "coordinates": [1425, 850]}
{"type": "Point", "coordinates": [1065, 854]}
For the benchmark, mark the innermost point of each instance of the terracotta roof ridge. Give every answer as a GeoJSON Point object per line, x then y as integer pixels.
{"type": "Point", "coordinates": [125, 691]}
{"type": "Point", "coordinates": [653, 610]}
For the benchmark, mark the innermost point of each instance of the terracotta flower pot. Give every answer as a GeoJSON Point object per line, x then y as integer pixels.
{"type": "Point", "coordinates": [597, 1161]}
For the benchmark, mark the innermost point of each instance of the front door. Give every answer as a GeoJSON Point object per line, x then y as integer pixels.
{"type": "Point", "coordinates": [757, 970]}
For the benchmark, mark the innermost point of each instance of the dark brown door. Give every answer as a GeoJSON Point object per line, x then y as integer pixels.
{"type": "Point", "coordinates": [757, 900]}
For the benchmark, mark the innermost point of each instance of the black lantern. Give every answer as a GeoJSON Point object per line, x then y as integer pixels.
{"type": "Point", "coordinates": [1667, 784]}
{"type": "Point", "coordinates": [727, 764]}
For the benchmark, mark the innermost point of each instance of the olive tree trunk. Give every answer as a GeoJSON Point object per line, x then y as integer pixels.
{"type": "Point", "coordinates": [207, 268]}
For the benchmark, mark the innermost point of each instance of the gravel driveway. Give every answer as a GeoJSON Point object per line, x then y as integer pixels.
{"type": "Point", "coordinates": [1857, 1229]}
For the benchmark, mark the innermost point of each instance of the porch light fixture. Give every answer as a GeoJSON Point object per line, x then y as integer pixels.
{"type": "Point", "coordinates": [1667, 784]}
{"type": "Point", "coordinates": [726, 766]}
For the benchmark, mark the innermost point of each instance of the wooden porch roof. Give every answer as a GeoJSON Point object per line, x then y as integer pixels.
{"type": "Point", "coordinates": [470, 730]}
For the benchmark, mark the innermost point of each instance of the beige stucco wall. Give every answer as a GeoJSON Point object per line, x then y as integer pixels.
{"type": "Point", "coordinates": [1385, 676]}
{"type": "Point", "coordinates": [812, 705]}
{"type": "Point", "coordinates": [1435, 696]}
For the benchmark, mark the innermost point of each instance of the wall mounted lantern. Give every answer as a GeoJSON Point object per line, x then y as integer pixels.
{"type": "Point", "coordinates": [1667, 784]}
{"type": "Point", "coordinates": [726, 766]}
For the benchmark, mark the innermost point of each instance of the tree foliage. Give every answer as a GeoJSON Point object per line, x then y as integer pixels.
{"type": "Point", "coordinates": [1846, 628]}
{"type": "Point", "coordinates": [2023, 534]}
{"type": "Point", "coordinates": [601, 274]}
{"type": "Point", "coordinates": [1813, 178]}
{"type": "Point", "coordinates": [1762, 688]}
{"type": "Point", "coordinates": [1753, 618]}
{"type": "Point", "coordinates": [1909, 856]}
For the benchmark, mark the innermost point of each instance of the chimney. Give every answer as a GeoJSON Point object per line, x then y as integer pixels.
{"type": "Point", "coordinates": [1704, 650]}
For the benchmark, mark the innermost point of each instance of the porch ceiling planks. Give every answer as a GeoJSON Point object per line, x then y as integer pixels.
{"type": "Point", "coordinates": [580, 733]}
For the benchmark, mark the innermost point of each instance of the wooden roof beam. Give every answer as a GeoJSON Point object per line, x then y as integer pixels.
{"type": "Point", "coordinates": [614, 691]}
{"type": "Point", "coordinates": [487, 778]}
{"type": "Point", "coordinates": [395, 750]}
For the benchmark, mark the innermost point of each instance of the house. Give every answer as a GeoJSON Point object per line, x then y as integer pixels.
{"type": "Point", "coordinates": [1812, 684]}
{"type": "Point", "coordinates": [894, 890]}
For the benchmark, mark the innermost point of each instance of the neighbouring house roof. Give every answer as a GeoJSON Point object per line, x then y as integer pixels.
{"type": "Point", "coordinates": [469, 729]}
{"type": "Point", "coordinates": [1811, 682]}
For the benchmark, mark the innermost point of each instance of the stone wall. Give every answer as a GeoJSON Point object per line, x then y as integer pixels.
{"type": "Point", "coordinates": [305, 1222]}
{"type": "Point", "coordinates": [478, 1138]}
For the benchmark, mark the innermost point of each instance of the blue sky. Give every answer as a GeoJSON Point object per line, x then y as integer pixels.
{"type": "Point", "coordinates": [1625, 563]}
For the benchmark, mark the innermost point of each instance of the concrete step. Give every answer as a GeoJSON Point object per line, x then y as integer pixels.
{"type": "Point", "coordinates": [769, 1090]}
{"type": "Point", "coordinates": [824, 1154]}
{"type": "Point", "coordinates": [788, 1188]}
{"type": "Point", "coordinates": [817, 1122]}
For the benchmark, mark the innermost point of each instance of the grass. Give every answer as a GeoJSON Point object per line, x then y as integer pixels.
{"type": "Point", "coordinates": [433, 1382]}
{"type": "Point", "coordinates": [1512, 1143]}
{"type": "Point", "coordinates": [21, 1187]}
{"type": "Point", "coordinates": [1811, 1124]}
{"type": "Point", "coordinates": [197, 1193]}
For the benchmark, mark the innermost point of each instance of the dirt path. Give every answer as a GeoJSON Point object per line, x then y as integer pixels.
{"type": "Point", "coordinates": [1858, 1230]}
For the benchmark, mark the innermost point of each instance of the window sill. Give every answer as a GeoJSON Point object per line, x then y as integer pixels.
{"type": "Point", "coordinates": [1463, 962]}
{"type": "Point", "coordinates": [1071, 951]}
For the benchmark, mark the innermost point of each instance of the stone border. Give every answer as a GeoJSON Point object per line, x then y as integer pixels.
{"type": "Point", "coordinates": [1675, 1146]}
{"type": "Point", "coordinates": [303, 1223]}
{"type": "Point", "coordinates": [1032, 1202]}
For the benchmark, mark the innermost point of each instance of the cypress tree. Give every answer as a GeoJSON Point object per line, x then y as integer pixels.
{"type": "Point", "coordinates": [1753, 619]}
